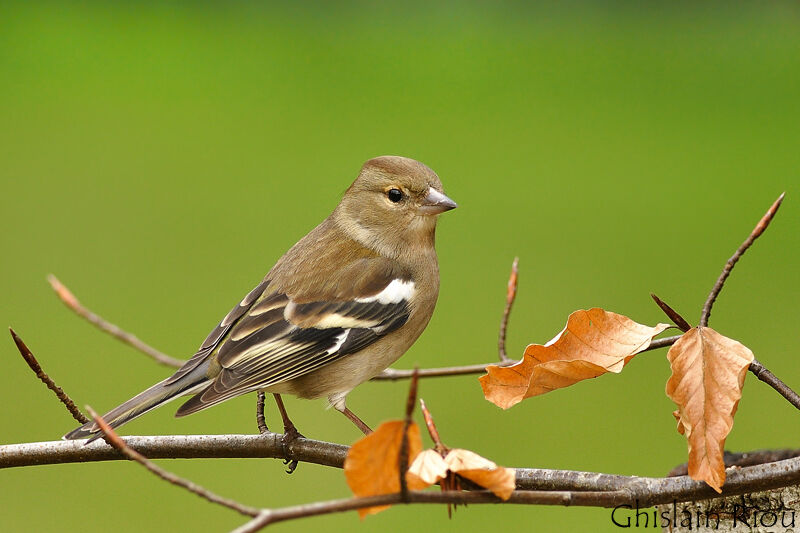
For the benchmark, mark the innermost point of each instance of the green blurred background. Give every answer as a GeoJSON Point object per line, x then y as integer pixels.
{"type": "Point", "coordinates": [158, 158]}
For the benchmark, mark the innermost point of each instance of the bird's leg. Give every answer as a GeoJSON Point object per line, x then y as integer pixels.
{"type": "Point", "coordinates": [290, 433]}
{"type": "Point", "coordinates": [260, 420]}
{"type": "Point", "coordinates": [354, 419]}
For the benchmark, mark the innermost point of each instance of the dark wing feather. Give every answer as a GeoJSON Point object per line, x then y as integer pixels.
{"type": "Point", "coordinates": [219, 332]}
{"type": "Point", "coordinates": [277, 340]}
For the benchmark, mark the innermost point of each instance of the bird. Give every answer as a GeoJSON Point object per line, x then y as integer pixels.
{"type": "Point", "coordinates": [338, 308]}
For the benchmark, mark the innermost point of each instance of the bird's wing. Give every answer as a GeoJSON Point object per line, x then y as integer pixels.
{"type": "Point", "coordinates": [219, 332]}
{"type": "Point", "coordinates": [278, 338]}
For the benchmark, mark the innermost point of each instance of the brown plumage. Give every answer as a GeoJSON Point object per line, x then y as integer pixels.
{"type": "Point", "coordinates": [338, 308]}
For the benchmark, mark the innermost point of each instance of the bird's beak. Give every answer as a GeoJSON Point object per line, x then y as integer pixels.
{"type": "Point", "coordinates": [435, 203]}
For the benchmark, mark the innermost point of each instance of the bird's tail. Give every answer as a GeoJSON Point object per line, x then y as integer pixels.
{"type": "Point", "coordinates": [156, 396]}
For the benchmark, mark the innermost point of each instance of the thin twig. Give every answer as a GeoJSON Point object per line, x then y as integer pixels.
{"type": "Point", "coordinates": [391, 374]}
{"type": "Point", "coordinates": [402, 457]}
{"type": "Point", "coordinates": [644, 492]}
{"type": "Point", "coordinates": [511, 294]}
{"type": "Point", "coordinates": [756, 457]}
{"type": "Point", "coordinates": [662, 343]}
{"type": "Point", "coordinates": [260, 419]}
{"type": "Point", "coordinates": [272, 516]}
{"type": "Point", "coordinates": [726, 271]}
{"type": "Point", "coordinates": [62, 396]}
{"type": "Point", "coordinates": [761, 372]}
{"type": "Point", "coordinates": [433, 431]}
{"type": "Point", "coordinates": [114, 440]}
{"type": "Point", "coordinates": [756, 367]}
{"type": "Point", "coordinates": [130, 339]}
{"type": "Point", "coordinates": [673, 315]}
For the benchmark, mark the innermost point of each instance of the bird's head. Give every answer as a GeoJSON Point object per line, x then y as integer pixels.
{"type": "Point", "coordinates": [393, 202]}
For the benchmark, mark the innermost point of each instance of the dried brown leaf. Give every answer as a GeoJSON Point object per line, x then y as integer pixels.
{"type": "Point", "coordinates": [372, 464]}
{"type": "Point", "coordinates": [500, 480]}
{"type": "Point", "coordinates": [593, 343]}
{"type": "Point", "coordinates": [679, 427]}
{"type": "Point", "coordinates": [428, 467]}
{"type": "Point", "coordinates": [708, 371]}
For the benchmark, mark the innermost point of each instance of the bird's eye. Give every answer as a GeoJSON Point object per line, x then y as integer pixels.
{"type": "Point", "coordinates": [394, 195]}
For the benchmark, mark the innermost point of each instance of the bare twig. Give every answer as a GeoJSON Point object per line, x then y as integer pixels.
{"type": "Point", "coordinates": [62, 396]}
{"type": "Point", "coordinates": [272, 516]}
{"type": "Point", "coordinates": [756, 457]}
{"type": "Point", "coordinates": [673, 315]}
{"type": "Point", "coordinates": [391, 374]}
{"type": "Point", "coordinates": [130, 339]}
{"type": "Point", "coordinates": [622, 490]}
{"type": "Point", "coordinates": [116, 441]}
{"type": "Point", "coordinates": [260, 419]}
{"type": "Point", "coordinates": [402, 457]}
{"type": "Point", "coordinates": [433, 431]}
{"type": "Point", "coordinates": [773, 381]}
{"type": "Point", "coordinates": [511, 294]}
{"type": "Point", "coordinates": [756, 367]}
{"type": "Point", "coordinates": [726, 271]}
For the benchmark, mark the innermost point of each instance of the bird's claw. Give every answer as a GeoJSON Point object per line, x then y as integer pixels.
{"type": "Point", "coordinates": [290, 434]}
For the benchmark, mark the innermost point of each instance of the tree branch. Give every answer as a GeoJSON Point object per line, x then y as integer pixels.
{"type": "Point", "coordinates": [34, 365]}
{"type": "Point", "coordinates": [118, 333]}
{"type": "Point", "coordinates": [726, 270]}
{"type": "Point", "coordinates": [114, 440]}
{"type": "Point", "coordinates": [268, 445]}
{"type": "Point", "coordinates": [391, 374]}
{"type": "Point", "coordinates": [761, 372]}
{"type": "Point", "coordinates": [649, 491]}
{"type": "Point", "coordinates": [511, 295]}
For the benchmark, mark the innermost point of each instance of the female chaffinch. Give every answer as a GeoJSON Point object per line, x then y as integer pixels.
{"type": "Point", "coordinates": [337, 309]}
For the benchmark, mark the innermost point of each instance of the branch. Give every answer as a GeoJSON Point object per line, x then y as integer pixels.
{"type": "Point", "coordinates": [726, 271]}
{"type": "Point", "coordinates": [114, 440]}
{"type": "Point", "coordinates": [402, 457]}
{"type": "Point", "coordinates": [34, 365]}
{"type": "Point", "coordinates": [391, 374]}
{"type": "Point", "coordinates": [646, 492]}
{"type": "Point", "coordinates": [269, 445]}
{"type": "Point", "coordinates": [433, 431]}
{"type": "Point", "coordinates": [118, 333]}
{"type": "Point", "coordinates": [756, 367]}
{"type": "Point", "coordinates": [761, 372]}
{"type": "Point", "coordinates": [649, 491]}
{"type": "Point", "coordinates": [272, 516]}
{"type": "Point", "coordinates": [511, 295]}
{"type": "Point", "coordinates": [755, 457]}
{"type": "Point", "coordinates": [673, 315]}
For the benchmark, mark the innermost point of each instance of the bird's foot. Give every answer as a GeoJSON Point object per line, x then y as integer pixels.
{"type": "Point", "coordinates": [290, 434]}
